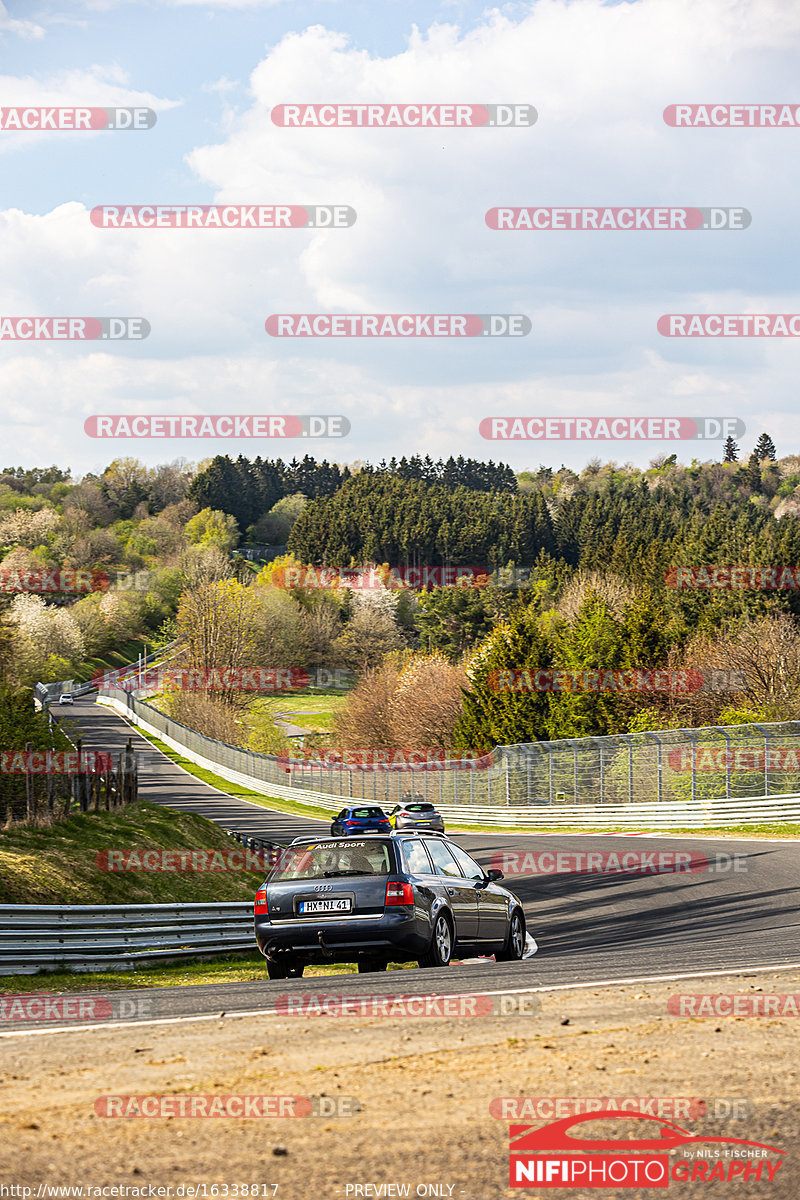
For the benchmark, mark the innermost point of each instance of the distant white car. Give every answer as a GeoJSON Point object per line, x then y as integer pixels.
{"type": "Point", "coordinates": [66, 698]}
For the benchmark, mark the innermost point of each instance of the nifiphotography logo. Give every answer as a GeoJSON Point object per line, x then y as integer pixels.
{"type": "Point", "coordinates": [553, 1156]}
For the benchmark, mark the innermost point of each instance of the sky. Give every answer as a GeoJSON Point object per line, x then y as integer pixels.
{"type": "Point", "coordinates": [599, 76]}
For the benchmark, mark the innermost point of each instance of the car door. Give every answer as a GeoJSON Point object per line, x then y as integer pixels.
{"type": "Point", "coordinates": [492, 900]}
{"type": "Point", "coordinates": [462, 894]}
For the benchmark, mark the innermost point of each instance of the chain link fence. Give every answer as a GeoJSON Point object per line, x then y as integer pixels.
{"type": "Point", "coordinates": [674, 766]}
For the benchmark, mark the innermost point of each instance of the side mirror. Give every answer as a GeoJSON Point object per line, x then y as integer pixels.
{"type": "Point", "coordinates": [493, 875]}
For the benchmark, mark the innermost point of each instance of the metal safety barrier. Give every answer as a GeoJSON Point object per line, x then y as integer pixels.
{"type": "Point", "coordinates": [94, 937]}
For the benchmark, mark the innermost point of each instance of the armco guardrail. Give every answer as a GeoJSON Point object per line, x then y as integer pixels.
{"type": "Point", "coordinates": [89, 937]}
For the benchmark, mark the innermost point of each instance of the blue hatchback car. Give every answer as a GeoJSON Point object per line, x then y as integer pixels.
{"type": "Point", "coordinates": [362, 818]}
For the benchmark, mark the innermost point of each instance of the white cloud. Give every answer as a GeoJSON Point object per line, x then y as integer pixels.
{"type": "Point", "coordinates": [101, 86]}
{"type": "Point", "coordinates": [600, 77]}
{"type": "Point", "coordinates": [23, 29]}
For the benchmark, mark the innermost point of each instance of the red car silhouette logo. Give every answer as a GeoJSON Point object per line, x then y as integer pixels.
{"type": "Point", "coordinates": [527, 1139]}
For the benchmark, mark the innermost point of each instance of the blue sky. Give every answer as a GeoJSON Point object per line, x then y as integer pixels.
{"type": "Point", "coordinates": [599, 76]}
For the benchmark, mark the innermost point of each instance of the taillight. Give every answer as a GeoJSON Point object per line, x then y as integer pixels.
{"type": "Point", "coordinates": [261, 905]}
{"type": "Point", "coordinates": [349, 822]}
{"type": "Point", "coordinates": [399, 893]}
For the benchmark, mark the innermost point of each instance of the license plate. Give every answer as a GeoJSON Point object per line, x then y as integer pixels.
{"type": "Point", "coordinates": [342, 904]}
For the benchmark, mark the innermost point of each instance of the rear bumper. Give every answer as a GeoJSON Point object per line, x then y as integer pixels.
{"type": "Point", "coordinates": [402, 934]}
{"type": "Point", "coordinates": [434, 826]}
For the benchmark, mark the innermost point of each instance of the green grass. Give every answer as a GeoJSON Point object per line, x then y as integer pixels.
{"type": "Point", "coordinates": [246, 968]}
{"type": "Point", "coordinates": [56, 864]}
{"type": "Point", "coordinates": [113, 660]}
{"type": "Point", "coordinates": [314, 710]}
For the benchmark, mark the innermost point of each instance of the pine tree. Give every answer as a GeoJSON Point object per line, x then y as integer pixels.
{"type": "Point", "coordinates": [765, 448]}
{"type": "Point", "coordinates": [731, 450]}
{"type": "Point", "coordinates": [753, 473]}
{"type": "Point", "coordinates": [501, 708]}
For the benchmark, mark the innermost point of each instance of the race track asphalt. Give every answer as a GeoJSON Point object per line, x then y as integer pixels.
{"type": "Point", "coordinates": [740, 912]}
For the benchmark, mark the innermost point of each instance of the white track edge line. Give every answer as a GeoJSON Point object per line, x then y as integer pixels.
{"type": "Point", "coordinates": [266, 1012]}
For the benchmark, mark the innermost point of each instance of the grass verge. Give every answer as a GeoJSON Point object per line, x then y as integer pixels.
{"type": "Point", "coordinates": [57, 864]}
{"type": "Point", "coordinates": [244, 968]}
{"type": "Point", "coordinates": [113, 660]}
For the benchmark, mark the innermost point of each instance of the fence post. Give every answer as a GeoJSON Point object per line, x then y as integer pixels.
{"type": "Point", "coordinates": [599, 743]}
{"type": "Point", "coordinates": [765, 732]}
{"type": "Point", "coordinates": [659, 764]}
{"type": "Point", "coordinates": [721, 730]}
{"type": "Point", "coordinates": [629, 743]}
{"type": "Point", "coordinates": [128, 795]}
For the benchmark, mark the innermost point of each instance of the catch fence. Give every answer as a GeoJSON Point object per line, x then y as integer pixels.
{"type": "Point", "coordinates": [679, 769]}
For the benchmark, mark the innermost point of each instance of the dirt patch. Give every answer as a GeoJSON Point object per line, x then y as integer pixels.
{"type": "Point", "coordinates": [424, 1085]}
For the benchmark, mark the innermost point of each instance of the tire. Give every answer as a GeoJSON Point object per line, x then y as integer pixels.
{"type": "Point", "coordinates": [288, 968]}
{"type": "Point", "coordinates": [440, 950]}
{"type": "Point", "coordinates": [367, 965]}
{"type": "Point", "coordinates": [514, 947]}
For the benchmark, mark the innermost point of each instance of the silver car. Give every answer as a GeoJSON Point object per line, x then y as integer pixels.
{"type": "Point", "coordinates": [416, 813]}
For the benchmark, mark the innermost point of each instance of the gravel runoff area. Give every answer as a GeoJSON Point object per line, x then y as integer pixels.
{"type": "Point", "coordinates": [407, 1100]}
